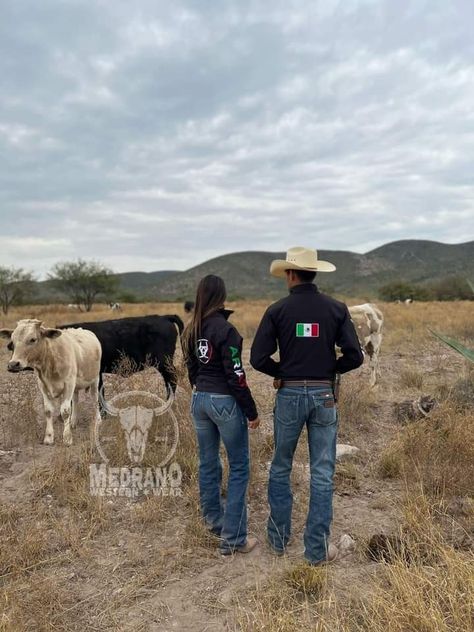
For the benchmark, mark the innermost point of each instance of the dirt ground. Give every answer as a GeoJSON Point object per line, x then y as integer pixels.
{"type": "Point", "coordinates": [147, 564]}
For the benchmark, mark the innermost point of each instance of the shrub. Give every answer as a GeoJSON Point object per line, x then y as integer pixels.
{"type": "Point", "coordinates": [452, 288]}
{"type": "Point", "coordinates": [400, 290]}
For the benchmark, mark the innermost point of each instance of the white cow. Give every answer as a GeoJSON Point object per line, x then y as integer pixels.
{"type": "Point", "coordinates": [115, 307]}
{"type": "Point", "coordinates": [65, 362]}
{"type": "Point", "coordinates": [368, 321]}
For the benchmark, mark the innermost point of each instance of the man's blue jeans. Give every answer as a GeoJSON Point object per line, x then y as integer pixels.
{"type": "Point", "coordinates": [296, 407]}
{"type": "Point", "coordinates": [219, 417]}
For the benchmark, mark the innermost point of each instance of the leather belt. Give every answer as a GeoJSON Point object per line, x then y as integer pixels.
{"type": "Point", "coordinates": [306, 383]}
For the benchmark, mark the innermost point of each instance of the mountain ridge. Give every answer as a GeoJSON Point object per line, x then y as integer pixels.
{"type": "Point", "coordinates": [246, 273]}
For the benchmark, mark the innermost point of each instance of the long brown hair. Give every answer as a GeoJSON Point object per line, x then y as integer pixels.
{"type": "Point", "coordinates": [210, 296]}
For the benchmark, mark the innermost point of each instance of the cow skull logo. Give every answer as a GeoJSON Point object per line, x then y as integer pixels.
{"type": "Point", "coordinates": [204, 350]}
{"type": "Point", "coordinates": [136, 420]}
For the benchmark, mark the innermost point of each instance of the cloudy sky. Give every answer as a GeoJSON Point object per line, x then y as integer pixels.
{"type": "Point", "coordinates": [155, 135]}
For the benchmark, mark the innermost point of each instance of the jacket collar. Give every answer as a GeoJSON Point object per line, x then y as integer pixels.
{"type": "Point", "coordinates": [222, 312]}
{"type": "Point", "coordinates": [304, 287]}
{"type": "Point", "coordinates": [225, 312]}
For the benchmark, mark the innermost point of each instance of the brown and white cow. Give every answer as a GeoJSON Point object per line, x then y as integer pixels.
{"type": "Point", "coordinates": [368, 321]}
{"type": "Point", "coordinates": [65, 362]}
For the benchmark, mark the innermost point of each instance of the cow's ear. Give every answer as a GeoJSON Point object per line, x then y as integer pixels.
{"type": "Point", "coordinates": [6, 333]}
{"type": "Point", "coordinates": [50, 332]}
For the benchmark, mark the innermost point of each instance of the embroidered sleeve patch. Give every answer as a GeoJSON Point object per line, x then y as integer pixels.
{"type": "Point", "coordinates": [238, 370]}
{"type": "Point", "coordinates": [307, 330]}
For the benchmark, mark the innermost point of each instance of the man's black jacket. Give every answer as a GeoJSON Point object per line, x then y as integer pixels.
{"type": "Point", "coordinates": [215, 362]}
{"type": "Point", "coordinates": [305, 326]}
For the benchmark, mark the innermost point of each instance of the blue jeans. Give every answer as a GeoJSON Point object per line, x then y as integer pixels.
{"type": "Point", "coordinates": [219, 417]}
{"type": "Point", "coordinates": [296, 407]}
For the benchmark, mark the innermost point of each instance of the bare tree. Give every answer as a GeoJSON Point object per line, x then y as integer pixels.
{"type": "Point", "coordinates": [15, 284]}
{"type": "Point", "coordinates": [82, 281]}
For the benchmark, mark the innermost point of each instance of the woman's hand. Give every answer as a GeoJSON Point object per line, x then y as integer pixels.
{"type": "Point", "coordinates": [254, 423]}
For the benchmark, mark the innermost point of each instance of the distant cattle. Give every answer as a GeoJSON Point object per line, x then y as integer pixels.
{"type": "Point", "coordinates": [408, 301]}
{"type": "Point", "coordinates": [368, 321]}
{"type": "Point", "coordinates": [189, 307]}
{"type": "Point", "coordinates": [146, 340]}
{"type": "Point", "coordinates": [74, 307]}
{"type": "Point", "coordinates": [115, 307]}
{"type": "Point", "coordinates": [65, 362]}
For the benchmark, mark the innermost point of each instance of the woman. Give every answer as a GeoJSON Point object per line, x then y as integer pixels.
{"type": "Point", "coordinates": [221, 405]}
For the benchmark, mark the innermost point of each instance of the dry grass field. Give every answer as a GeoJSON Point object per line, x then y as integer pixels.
{"type": "Point", "coordinates": [72, 561]}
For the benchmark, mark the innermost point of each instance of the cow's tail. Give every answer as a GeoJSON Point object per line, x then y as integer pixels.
{"type": "Point", "coordinates": [170, 397]}
{"type": "Point", "coordinates": [174, 318]}
{"type": "Point", "coordinates": [104, 406]}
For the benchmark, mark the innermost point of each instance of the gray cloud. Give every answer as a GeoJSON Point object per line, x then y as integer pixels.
{"type": "Point", "coordinates": [161, 134]}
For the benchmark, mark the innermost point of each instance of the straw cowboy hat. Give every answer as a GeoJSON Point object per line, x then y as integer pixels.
{"type": "Point", "coordinates": [299, 258]}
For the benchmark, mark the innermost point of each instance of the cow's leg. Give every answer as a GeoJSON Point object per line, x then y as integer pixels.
{"type": "Point", "coordinates": [369, 348]}
{"type": "Point", "coordinates": [94, 389]}
{"type": "Point", "coordinates": [100, 397]}
{"type": "Point", "coordinates": [75, 403]}
{"type": "Point", "coordinates": [49, 414]}
{"type": "Point", "coordinates": [66, 412]}
{"type": "Point", "coordinates": [374, 360]}
{"type": "Point", "coordinates": [373, 372]}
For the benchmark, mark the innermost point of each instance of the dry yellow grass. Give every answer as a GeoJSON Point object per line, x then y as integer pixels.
{"type": "Point", "coordinates": [24, 543]}
{"type": "Point", "coordinates": [428, 586]}
{"type": "Point", "coordinates": [355, 404]}
{"type": "Point", "coordinates": [298, 598]}
{"type": "Point", "coordinates": [411, 378]}
{"type": "Point", "coordinates": [405, 327]}
{"type": "Point", "coordinates": [438, 451]}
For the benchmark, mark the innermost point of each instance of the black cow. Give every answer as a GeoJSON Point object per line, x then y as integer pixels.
{"type": "Point", "coordinates": [188, 307]}
{"type": "Point", "coordinates": [146, 340]}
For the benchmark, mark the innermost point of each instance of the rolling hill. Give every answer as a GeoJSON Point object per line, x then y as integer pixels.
{"type": "Point", "coordinates": [247, 273]}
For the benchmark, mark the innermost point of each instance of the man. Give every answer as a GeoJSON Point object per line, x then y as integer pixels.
{"type": "Point", "coordinates": [304, 327]}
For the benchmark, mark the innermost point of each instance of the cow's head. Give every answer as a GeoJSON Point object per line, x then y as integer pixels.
{"type": "Point", "coordinates": [26, 343]}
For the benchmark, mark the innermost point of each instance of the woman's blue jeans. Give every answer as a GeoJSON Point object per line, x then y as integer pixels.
{"type": "Point", "coordinates": [296, 407]}
{"type": "Point", "coordinates": [219, 417]}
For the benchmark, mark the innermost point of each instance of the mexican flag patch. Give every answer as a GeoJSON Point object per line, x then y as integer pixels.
{"type": "Point", "coordinates": [307, 330]}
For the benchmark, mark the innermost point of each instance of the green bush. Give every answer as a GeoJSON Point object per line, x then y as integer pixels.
{"type": "Point", "coordinates": [400, 290]}
{"type": "Point", "coordinates": [452, 288]}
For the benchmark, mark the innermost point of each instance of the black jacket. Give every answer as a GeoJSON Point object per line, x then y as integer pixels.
{"type": "Point", "coordinates": [305, 326]}
{"type": "Point", "coordinates": [215, 366]}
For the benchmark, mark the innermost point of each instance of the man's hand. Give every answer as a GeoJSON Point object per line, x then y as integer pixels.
{"type": "Point", "coordinates": [277, 383]}
{"type": "Point", "coordinates": [254, 423]}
